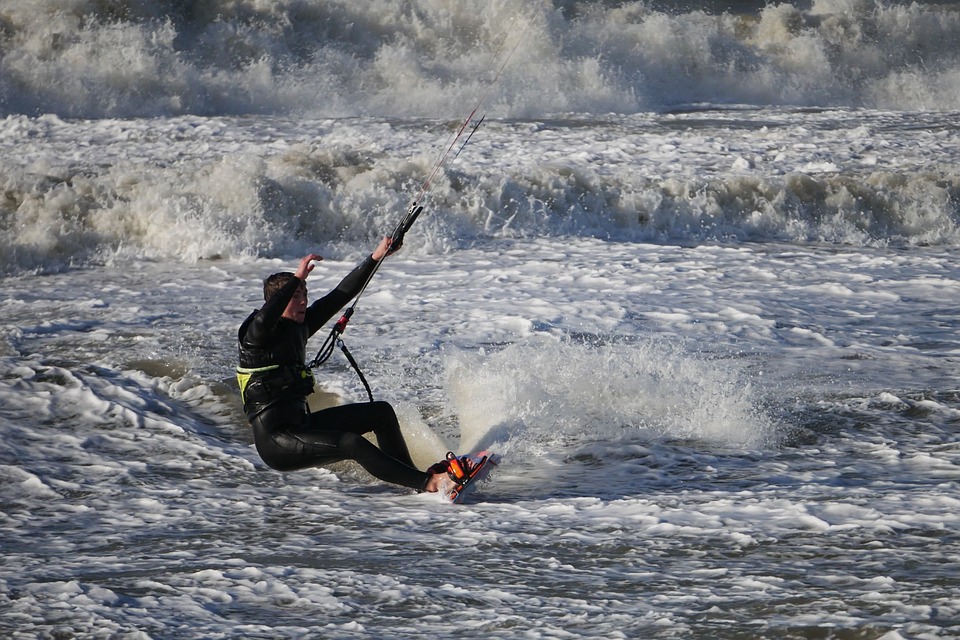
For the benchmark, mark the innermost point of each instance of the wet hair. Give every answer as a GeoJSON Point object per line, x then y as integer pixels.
{"type": "Point", "coordinates": [276, 282]}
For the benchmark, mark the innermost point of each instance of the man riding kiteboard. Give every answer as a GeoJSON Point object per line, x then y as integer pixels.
{"type": "Point", "coordinates": [275, 383]}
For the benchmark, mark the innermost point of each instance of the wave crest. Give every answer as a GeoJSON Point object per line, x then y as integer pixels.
{"type": "Point", "coordinates": [423, 58]}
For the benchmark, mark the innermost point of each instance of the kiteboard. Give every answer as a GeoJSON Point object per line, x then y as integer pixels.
{"type": "Point", "coordinates": [483, 462]}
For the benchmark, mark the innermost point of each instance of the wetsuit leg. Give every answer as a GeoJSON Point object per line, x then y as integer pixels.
{"type": "Point", "coordinates": [378, 417]}
{"type": "Point", "coordinates": [288, 439]}
{"type": "Point", "coordinates": [379, 464]}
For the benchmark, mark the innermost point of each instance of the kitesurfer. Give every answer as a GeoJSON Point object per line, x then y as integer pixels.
{"type": "Point", "coordinates": [275, 383]}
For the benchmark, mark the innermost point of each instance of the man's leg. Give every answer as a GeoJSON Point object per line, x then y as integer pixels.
{"type": "Point", "coordinates": [288, 438]}
{"type": "Point", "coordinates": [378, 417]}
{"type": "Point", "coordinates": [380, 465]}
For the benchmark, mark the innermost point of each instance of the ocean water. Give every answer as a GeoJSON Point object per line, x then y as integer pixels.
{"type": "Point", "coordinates": [694, 280]}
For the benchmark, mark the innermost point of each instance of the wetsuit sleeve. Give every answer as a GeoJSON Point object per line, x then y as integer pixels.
{"type": "Point", "coordinates": [320, 312]}
{"type": "Point", "coordinates": [258, 329]}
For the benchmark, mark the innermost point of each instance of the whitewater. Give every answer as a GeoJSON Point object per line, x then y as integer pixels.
{"type": "Point", "coordinates": [693, 279]}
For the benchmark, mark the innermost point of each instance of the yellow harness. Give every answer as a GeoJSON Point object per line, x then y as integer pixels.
{"type": "Point", "coordinates": [244, 375]}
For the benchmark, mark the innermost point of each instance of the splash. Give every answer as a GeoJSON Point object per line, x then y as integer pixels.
{"type": "Point", "coordinates": [546, 390]}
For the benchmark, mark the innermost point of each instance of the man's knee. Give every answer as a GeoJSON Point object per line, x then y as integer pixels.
{"type": "Point", "coordinates": [384, 407]}
{"type": "Point", "coordinates": [382, 413]}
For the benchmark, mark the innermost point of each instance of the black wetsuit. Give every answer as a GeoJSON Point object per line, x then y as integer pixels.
{"type": "Point", "coordinates": [287, 435]}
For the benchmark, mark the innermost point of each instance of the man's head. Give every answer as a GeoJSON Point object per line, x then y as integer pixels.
{"type": "Point", "coordinates": [297, 307]}
{"type": "Point", "coordinates": [274, 283]}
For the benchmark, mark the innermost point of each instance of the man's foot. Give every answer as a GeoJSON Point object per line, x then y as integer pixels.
{"type": "Point", "coordinates": [448, 473]}
{"type": "Point", "coordinates": [440, 482]}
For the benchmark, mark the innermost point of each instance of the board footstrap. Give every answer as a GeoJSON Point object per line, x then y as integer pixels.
{"type": "Point", "coordinates": [462, 474]}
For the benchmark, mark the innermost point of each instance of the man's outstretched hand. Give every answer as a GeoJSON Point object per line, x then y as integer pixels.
{"type": "Point", "coordinates": [306, 265]}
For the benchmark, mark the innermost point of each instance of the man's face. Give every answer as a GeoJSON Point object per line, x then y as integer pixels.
{"type": "Point", "coordinates": [297, 307]}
